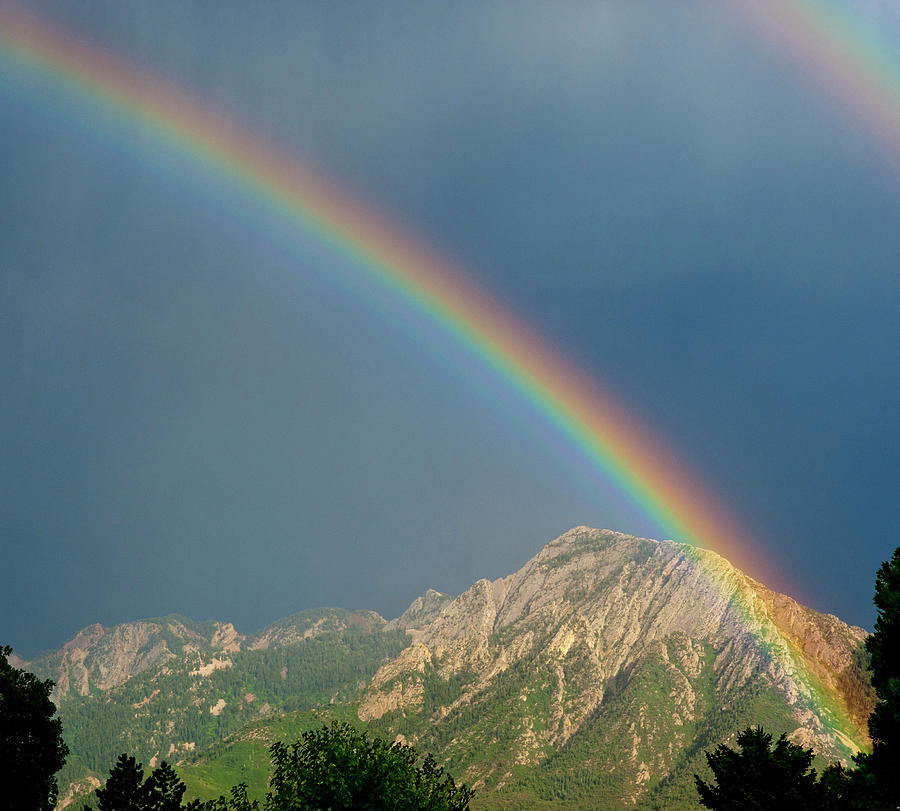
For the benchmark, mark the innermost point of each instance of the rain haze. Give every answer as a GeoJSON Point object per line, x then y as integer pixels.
{"type": "Point", "coordinates": [208, 410]}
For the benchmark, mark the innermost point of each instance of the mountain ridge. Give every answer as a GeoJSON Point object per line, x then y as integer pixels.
{"type": "Point", "coordinates": [530, 686]}
{"type": "Point", "coordinates": [100, 658]}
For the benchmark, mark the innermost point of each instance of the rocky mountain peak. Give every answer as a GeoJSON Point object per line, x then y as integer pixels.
{"type": "Point", "coordinates": [84, 638]}
{"type": "Point", "coordinates": [421, 610]}
{"type": "Point", "coordinates": [595, 607]}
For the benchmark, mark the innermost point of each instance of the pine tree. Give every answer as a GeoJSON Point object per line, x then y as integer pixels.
{"type": "Point", "coordinates": [124, 790]}
{"type": "Point", "coordinates": [758, 776]}
{"type": "Point", "coordinates": [163, 789]}
{"type": "Point", "coordinates": [884, 648]}
{"type": "Point", "coordinates": [875, 783]}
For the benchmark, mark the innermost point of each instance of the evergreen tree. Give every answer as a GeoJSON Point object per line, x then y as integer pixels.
{"type": "Point", "coordinates": [884, 648]}
{"type": "Point", "coordinates": [163, 789]}
{"type": "Point", "coordinates": [758, 776]}
{"type": "Point", "coordinates": [124, 789]}
{"type": "Point", "coordinates": [875, 783]}
{"type": "Point", "coordinates": [32, 750]}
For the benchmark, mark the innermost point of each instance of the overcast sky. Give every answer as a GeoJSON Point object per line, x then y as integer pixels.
{"type": "Point", "coordinates": [196, 418]}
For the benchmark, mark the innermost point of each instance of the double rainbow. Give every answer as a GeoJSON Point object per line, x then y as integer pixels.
{"type": "Point", "coordinates": [571, 404]}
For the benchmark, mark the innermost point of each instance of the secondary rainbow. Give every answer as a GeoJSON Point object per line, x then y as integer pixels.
{"type": "Point", "coordinates": [832, 45]}
{"type": "Point", "coordinates": [592, 422]}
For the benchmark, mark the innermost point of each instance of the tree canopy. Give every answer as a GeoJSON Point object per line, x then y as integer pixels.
{"type": "Point", "coordinates": [884, 648]}
{"type": "Point", "coordinates": [759, 776]}
{"type": "Point", "coordinates": [339, 767]}
{"type": "Point", "coordinates": [32, 749]}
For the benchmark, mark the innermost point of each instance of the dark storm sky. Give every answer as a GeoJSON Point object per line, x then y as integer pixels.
{"type": "Point", "coordinates": [196, 418]}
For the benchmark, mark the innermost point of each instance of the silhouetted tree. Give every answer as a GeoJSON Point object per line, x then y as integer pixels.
{"type": "Point", "coordinates": [164, 789]}
{"type": "Point", "coordinates": [874, 785]}
{"type": "Point", "coordinates": [32, 750]}
{"type": "Point", "coordinates": [126, 789]}
{"type": "Point", "coordinates": [759, 776]}
{"type": "Point", "coordinates": [884, 648]}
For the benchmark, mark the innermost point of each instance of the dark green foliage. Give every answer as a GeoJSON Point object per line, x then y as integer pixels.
{"type": "Point", "coordinates": [126, 789]}
{"type": "Point", "coordinates": [32, 750]}
{"type": "Point", "coordinates": [875, 782]}
{"type": "Point", "coordinates": [164, 789]}
{"type": "Point", "coordinates": [339, 767]}
{"type": "Point", "coordinates": [758, 776]}
{"type": "Point", "coordinates": [884, 648]}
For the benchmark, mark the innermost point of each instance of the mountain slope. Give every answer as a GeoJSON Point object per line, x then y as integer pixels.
{"type": "Point", "coordinates": [167, 687]}
{"type": "Point", "coordinates": [604, 666]}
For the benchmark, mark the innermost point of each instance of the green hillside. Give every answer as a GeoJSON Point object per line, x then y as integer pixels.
{"type": "Point", "coordinates": [244, 758]}
{"type": "Point", "coordinates": [474, 740]}
{"type": "Point", "coordinates": [172, 711]}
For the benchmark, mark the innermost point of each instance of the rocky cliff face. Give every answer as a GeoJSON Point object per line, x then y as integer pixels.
{"type": "Point", "coordinates": [421, 611]}
{"type": "Point", "coordinates": [99, 659]}
{"type": "Point", "coordinates": [606, 642]}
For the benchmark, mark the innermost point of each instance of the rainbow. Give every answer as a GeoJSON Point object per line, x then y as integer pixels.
{"type": "Point", "coordinates": [572, 405]}
{"type": "Point", "coordinates": [591, 420]}
{"type": "Point", "coordinates": [829, 43]}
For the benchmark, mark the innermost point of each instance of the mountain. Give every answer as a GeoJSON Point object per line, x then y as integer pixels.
{"type": "Point", "coordinates": [595, 676]}
{"type": "Point", "coordinates": [601, 670]}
